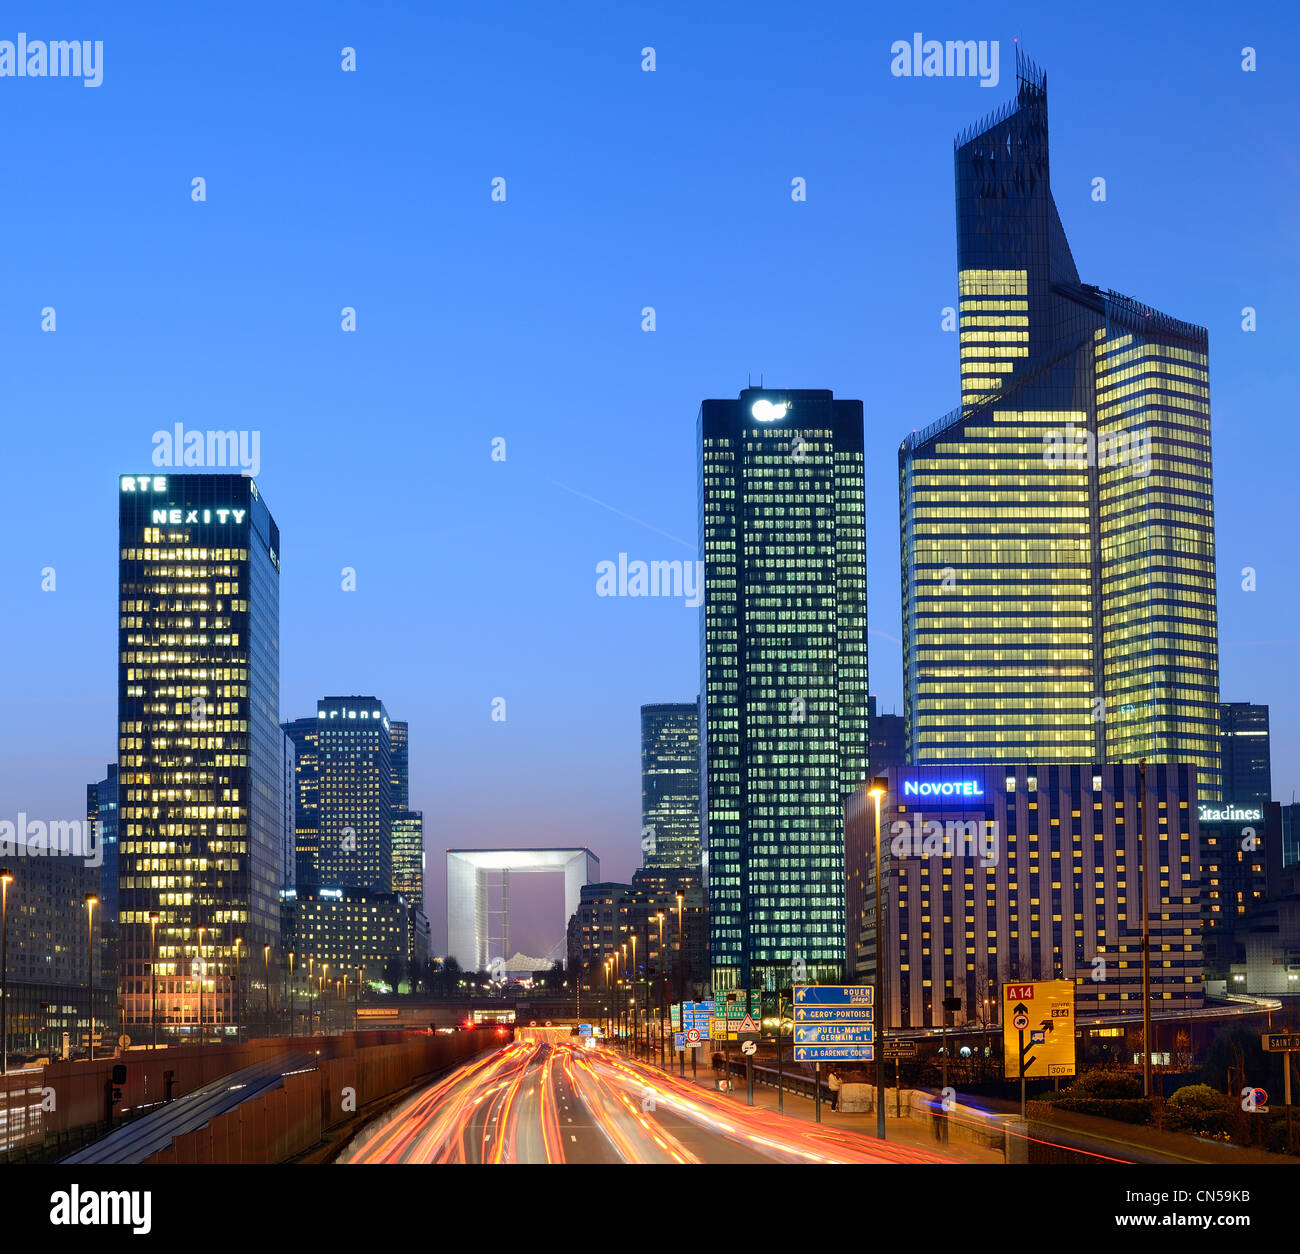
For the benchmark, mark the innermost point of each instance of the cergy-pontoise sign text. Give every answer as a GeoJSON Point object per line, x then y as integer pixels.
{"type": "Point", "coordinates": [1229, 813]}
{"type": "Point", "coordinates": [943, 788]}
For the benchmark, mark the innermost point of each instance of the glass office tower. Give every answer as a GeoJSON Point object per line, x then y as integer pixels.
{"type": "Point", "coordinates": [199, 745]}
{"type": "Point", "coordinates": [302, 732]}
{"type": "Point", "coordinates": [1247, 761]}
{"type": "Point", "coordinates": [783, 677]}
{"type": "Point", "coordinates": [670, 785]}
{"type": "Point", "coordinates": [399, 735]}
{"type": "Point", "coordinates": [354, 782]}
{"type": "Point", "coordinates": [1058, 526]}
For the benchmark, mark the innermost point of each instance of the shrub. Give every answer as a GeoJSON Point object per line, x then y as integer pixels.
{"type": "Point", "coordinates": [1123, 1109]}
{"type": "Point", "coordinates": [1199, 1109]}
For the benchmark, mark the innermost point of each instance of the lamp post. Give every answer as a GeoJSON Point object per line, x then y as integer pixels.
{"type": "Point", "coordinates": [236, 1009]}
{"type": "Point", "coordinates": [291, 1014]}
{"type": "Point", "coordinates": [681, 951]}
{"type": "Point", "coordinates": [356, 1001]}
{"type": "Point", "coordinates": [325, 1000]}
{"type": "Point", "coordinates": [91, 902]}
{"type": "Point", "coordinates": [660, 973]}
{"type": "Point", "coordinates": [621, 969]}
{"type": "Point", "coordinates": [6, 878]}
{"type": "Point", "coordinates": [201, 930]}
{"type": "Point", "coordinates": [876, 792]}
{"type": "Point", "coordinates": [266, 958]}
{"type": "Point", "coordinates": [1146, 929]}
{"type": "Point", "coordinates": [154, 919]}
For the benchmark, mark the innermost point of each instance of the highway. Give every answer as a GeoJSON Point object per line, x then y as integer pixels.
{"type": "Point", "coordinates": [551, 1102]}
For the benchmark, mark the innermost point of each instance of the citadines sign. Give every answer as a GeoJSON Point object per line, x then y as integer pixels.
{"type": "Point", "coordinates": [943, 788]}
{"type": "Point", "coordinates": [1229, 813]}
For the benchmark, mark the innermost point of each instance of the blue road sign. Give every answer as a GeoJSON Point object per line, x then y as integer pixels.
{"type": "Point", "coordinates": [833, 995]}
{"type": "Point", "coordinates": [834, 1014]}
{"type": "Point", "coordinates": [679, 1040]}
{"type": "Point", "coordinates": [820, 1034]}
{"type": "Point", "coordinates": [834, 1053]}
{"type": "Point", "coordinates": [584, 1029]}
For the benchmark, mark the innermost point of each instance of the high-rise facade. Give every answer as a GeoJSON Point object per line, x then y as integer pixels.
{"type": "Point", "coordinates": [1058, 564]}
{"type": "Point", "coordinates": [783, 676]}
{"type": "Point", "coordinates": [670, 784]}
{"type": "Point", "coordinates": [199, 746]}
{"type": "Point", "coordinates": [1020, 872]}
{"type": "Point", "coordinates": [399, 735]}
{"type": "Point", "coordinates": [1247, 761]}
{"type": "Point", "coordinates": [888, 739]}
{"type": "Point", "coordinates": [354, 779]}
{"type": "Point", "coordinates": [408, 855]}
{"type": "Point", "coordinates": [302, 733]}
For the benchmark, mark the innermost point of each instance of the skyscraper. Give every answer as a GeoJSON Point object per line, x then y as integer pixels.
{"type": "Point", "coordinates": [199, 748]}
{"type": "Point", "coordinates": [783, 676]}
{"type": "Point", "coordinates": [888, 739]}
{"type": "Point", "coordinates": [1058, 526]}
{"type": "Point", "coordinates": [400, 739]}
{"type": "Point", "coordinates": [408, 855]}
{"type": "Point", "coordinates": [1247, 762]}
{"type": "Point", "coordinates": [670, 785]}
{"type": "Point", "coordinates": [302, 733]}
{"type": "Point", "coordinates": [354, 782]}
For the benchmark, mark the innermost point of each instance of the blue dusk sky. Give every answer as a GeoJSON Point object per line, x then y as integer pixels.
{"type": "Point", "coordinates": [478, 319]}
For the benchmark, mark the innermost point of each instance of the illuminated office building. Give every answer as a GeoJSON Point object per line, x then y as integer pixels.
{"type": "Point", "coordinates": [408, 855]}
{"type": "Point", "coordinates": [998, 874]}
{"type": "Point", "coordinates": [1058, 526]}
{"type": "Point", "coordinates": [783, 677]}
{"type": "Point", "coordinates": [1247, 762]}
{"type": "Point", "coordinates": [302, 733]}
{"type": "Point", "coordinates": [199, 747]}
{"type": "Point", "coordinates": [354, 779]}
{"type": "Point", "coordinates": [670, 785]}
{"type": "Point", "coordinates": [400, 740]}
{"type": "Point", "coordinates": [1241, 867]}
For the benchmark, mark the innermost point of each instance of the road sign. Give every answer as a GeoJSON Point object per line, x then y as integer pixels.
{"type": "Point", "coordinates": [834, 1023]}
{"type": "Point", "coordinates": [679, 1040]}
{"type": "Point", "coordinates": [1038, 1030]}
{"type": "Point", "coordinates": [833, 995]}
{"type": "Point", "coordinates": [748, 1027]}
{"type": "Point", "coordinates": [584, 1029]}
{"type": "Point", "coordinates": [1281, 1042]}
{"type": "Point", "coordinates": [834, 1053]}
{"type": "Point", "coordinates": [899, 1049]}
{"type": "Point", "coordinates": [749, 1048]}
{"type": "Point", "coordinates": [834, 1014]}
{"type": "Point", "coordinates": [820, 1034]}
{"type": "Point", "coordinates": [692, 1036]}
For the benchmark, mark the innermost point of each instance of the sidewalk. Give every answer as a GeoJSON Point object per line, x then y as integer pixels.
{"type": "Point", "coordinates": [911, 1132]}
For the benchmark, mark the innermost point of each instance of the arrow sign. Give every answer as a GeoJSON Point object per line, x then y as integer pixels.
{"type": "Point", "coordinates": [833, 995]}
{"type": "Point", "coordinates": [833, 1035]}
{"type": "Point", "coordinates": [834, 1053]}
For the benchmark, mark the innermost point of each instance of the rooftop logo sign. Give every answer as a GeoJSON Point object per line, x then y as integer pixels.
{"type": "Point", "coordinates": [943, 788]}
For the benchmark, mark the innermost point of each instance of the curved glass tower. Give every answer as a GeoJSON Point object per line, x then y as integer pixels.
{"type": "Point", "coordinates": [1057, 526]}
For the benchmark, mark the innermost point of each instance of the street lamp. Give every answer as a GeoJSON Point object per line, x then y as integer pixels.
{"type": "Point", "coordinates": [91, 902]}
{"type": "Point", "coordinates": [681, 951]}
{"type": "Point", "coordinates": [266, 958]}
{"type": "Point", "coordinates": [235, 1007]}
{"type": "Point", "coordinates": [154, 919]}
{"type": "Point", "coordinates": [876, 791]}
{"type": "Point", "coordinates": [6, 878]}
{"type": "Point", "coordinates": [200, 948]}
{"type": "Point", "coordinates": [660, 973]}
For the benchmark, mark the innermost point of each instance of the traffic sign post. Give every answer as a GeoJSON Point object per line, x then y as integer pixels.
{"type": "Point", "coordinates": [1038, 1031]}
{"type": "Point", "coordinates": [1286, 1044]}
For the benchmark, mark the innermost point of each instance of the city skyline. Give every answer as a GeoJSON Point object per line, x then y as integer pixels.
{"type": "Point", "coordinates": [308, 389]}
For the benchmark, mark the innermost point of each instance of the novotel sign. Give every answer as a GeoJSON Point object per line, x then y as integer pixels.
{"type": "Point", "coordinates": [943, 788]}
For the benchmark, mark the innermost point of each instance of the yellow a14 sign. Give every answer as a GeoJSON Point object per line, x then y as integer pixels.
{"type": "Point", "coordinates": [1038, 1028]}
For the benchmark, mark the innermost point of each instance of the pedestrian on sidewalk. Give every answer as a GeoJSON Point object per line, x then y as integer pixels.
{"type": "Point", "coordinates": [833, 1083]}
